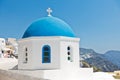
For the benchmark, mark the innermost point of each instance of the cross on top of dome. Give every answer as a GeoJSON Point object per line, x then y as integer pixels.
{"type": "Point", "coordinates": [49, 10]}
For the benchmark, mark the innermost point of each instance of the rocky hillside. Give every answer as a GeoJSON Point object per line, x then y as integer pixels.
{"type": "Point", "coordinates": [113, 56]}
{"type": "Point", "coordinates": [97, 60]}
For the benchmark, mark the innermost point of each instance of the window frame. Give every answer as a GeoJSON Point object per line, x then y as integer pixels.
{"type": "Point", "coordinates": [44, 52]}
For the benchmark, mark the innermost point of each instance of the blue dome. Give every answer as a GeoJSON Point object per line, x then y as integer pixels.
{"type": "Point", "coordinates": [49, 26]}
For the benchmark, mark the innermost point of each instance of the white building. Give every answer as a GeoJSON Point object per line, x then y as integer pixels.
{"type": "Point", "coordinates": [2, 45]}
{"type": "Point", "coordinates": [13, 42]}
{"type": "Point", "coordinates": [50, 45]}
{"type": "Point", "coordinates": [7, 47]}
{"type": "Point", "coordinates": [2, 42]}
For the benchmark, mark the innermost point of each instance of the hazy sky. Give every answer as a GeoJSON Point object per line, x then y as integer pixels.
{"type": "Point", "coordinates": [95, 22]}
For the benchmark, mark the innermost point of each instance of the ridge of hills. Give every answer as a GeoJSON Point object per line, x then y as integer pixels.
{"type": "Point", "coordinates": [107, 62]}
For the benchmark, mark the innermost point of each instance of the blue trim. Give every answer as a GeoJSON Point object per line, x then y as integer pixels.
{"type": "Point", "coordinates": [44, 56]}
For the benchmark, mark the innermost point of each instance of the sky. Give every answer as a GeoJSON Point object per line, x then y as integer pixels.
{"type": "Point", "coordinates": [95, 22]}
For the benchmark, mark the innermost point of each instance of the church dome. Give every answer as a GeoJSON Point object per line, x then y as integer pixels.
{"type": "Point", "coordinates": [49, 26]}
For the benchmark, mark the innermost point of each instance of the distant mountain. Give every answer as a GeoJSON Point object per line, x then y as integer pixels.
{"type": "Point", "coordinates": [97, 60]}
{"type": "Point", "coordinates": [113, 56]}
{"type": "Point", "coordinates": [87, 53]}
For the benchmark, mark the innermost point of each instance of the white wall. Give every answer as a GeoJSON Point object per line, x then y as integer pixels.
{"type": "Point", "coordinates": [62, 69]}
{"type": "Point", "coordinates": [37, 53]}
{"type": "Point", "coordinates": [73, 74]}
{"type": "Point", "coordinates": [35, 46]}
{"type": "Point", "coordinates": [58, 52]}
{"type": "Point", "coordinates": [21, 54]}
{"type": "Point", "coordinates": [74, 46]}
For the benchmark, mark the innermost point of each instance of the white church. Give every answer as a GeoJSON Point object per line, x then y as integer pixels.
{"type": "Point", "coordinates": [50, 46]}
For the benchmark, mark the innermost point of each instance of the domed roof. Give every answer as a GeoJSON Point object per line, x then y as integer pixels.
{"type": "Point", "coordinates": [49, 26]}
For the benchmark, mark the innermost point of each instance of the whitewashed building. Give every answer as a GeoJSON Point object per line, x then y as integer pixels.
{"type": "Point", "coordinates": [50, 45]}
{"type": "Point", "coordinates": [2, 45]}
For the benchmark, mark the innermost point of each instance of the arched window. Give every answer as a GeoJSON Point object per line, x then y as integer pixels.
{"type": "Point", "coordinates": [46, 54]}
